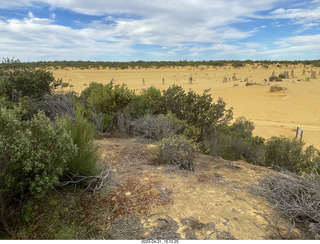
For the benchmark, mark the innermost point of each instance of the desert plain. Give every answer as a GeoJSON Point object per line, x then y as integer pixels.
{"type": "Point", "coordinates": [273, 113]}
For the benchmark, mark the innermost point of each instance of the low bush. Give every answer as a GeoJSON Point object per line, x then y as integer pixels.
{"type": "Point", "coordinates": [34, 154]}
{"type": "Point", "coordinates": [231, 146]}
{"type": "Point", "coordinates": [236, 142]}
{"type": "Point", "coordinates": [276, 88]}
{"type": "Point", "coordinates": [251, 83]}
{"type": "Point", "coordinates": [243, 126]}
{"type": "Point", "coordinates": [237, 64]}
{"type": "Point", "coordinates": [275, 78]}
{"type": "Point", "coordinates": [177, 150]}
{"type": "Point", "coordinates": [154, 127]}
{"type": "Point", "coordinates": [291, 155]}
{"type": "Point", "coordinates": [107, 98]}
{"type": "Point", "coordinates": [157, 127]}
{"type": "Point", "coordinates": [250, 148]}
{"type": "Point", "coordinates": [106, 101]}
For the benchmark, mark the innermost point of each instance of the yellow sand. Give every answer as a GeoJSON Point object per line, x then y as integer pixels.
{"type": "Point", "coordinates": [217, 192]}
{"type": "Point", "coordinates": [277, 113]}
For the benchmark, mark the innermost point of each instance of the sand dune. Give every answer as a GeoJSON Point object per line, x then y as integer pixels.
{"type": "Point", "coordinates": [274, 113]}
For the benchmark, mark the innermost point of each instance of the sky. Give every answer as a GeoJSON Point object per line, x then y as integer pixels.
{"type": "Point", "coordinates": [159, 30]}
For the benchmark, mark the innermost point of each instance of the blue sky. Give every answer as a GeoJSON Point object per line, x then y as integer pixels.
{"type": "Point", "coordinates": [128, 30]}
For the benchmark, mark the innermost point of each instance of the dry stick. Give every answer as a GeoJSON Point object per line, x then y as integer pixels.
{"type": "Point", "coordinates": [156, 214]}
{"type": "Point", "coordinates": [130, 212]}
{"type": "Point", "coordinates": [296, 198]}
{"type": "Point", "coordinates": [98, 181]}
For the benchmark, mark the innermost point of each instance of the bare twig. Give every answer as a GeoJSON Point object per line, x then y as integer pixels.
{"type": "Point", "coordinates": [296, 198]}
{"type": "Point", "coordinates": [59, 104]}
{"type": "Point", "coordinates": [93, 183]}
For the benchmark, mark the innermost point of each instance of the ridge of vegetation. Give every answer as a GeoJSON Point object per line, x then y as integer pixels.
{"type": "Point", "coordinates": [160, 64]}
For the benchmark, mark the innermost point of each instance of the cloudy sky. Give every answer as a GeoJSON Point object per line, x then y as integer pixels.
{"type": "Point", "coordinates": [126, 30]}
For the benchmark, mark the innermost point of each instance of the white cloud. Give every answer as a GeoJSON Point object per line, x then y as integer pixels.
{"type": "Point", "coordinates": [303, 41]}
{"type": "Point", "coordinates": [307, 17]}
{"type": "Point", "coordinates": [189, 26]}
{"type": "Point", "coordinates": [39, 39]}
{"type": "Point", "coordinates": [304, 46]}
{"type": "Point", "coordinates": [160, 23]}
{"type": "Point", "coordinates": [165, 22]}
{"type": "Point", "coordinates": [4, 4]}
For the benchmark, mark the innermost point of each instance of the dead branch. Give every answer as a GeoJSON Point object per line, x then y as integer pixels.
{"type": "Point", "coordinates": [93, 183]}
{"type": "Point", "coordinates": [296, 198]}
{"type": "Point", "coordinates": [59, 104]}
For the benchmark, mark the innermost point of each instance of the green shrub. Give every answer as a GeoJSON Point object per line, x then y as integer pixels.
{"type": "Point", "coordinates": [275, 78]}
{"type": "Point", "coordinates": [149, 102]}
{"type": "Point", "coordinates": [190, 131]}
{"type": "Point", "coordinates": [197, 110]}
{"type": "Point", "coordinates": [107, 100]}
{"type": "Point", "coordinates": [251, 83]}
{"type": "Point", "coordinates": [33, 155]}
{"type": "Point", "coordinates": [243, 126]}
{"type": "Point", "coordinates": [236, 142]}
{"type": "Point", "coordinates": [64, 84]}
{"type": "Point", "coordinates": [177, 150]}
{"type": "Point", "coordinates": [237, 64]}
{"type": "Point", "coordinates": [290, 154]}
{"type": "Point", "coordinates": [276, 88]}
{"type": "Point", "coordinates": [251, 149]}
{"type": "Point", "coordinates": [82, 133]}
{"type": "Point", "coordinates": [18, 81]}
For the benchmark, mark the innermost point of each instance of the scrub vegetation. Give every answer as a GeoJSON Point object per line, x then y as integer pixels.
{"type": "Point", "coordinates": [47, 142]}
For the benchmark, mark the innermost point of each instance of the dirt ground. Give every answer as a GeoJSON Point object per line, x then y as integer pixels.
{"type": "Point", "coordinates": [152, 201]}
{"type": "Point", "coordinates": [274, 113]}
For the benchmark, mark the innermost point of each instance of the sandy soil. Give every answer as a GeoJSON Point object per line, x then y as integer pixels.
{"type": "Point", "coordinates": [213, 202]}
{"type": "Point", "coordinates": [277, 113]}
